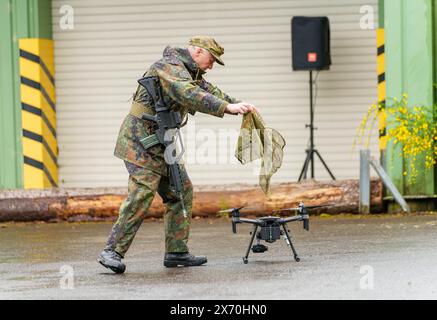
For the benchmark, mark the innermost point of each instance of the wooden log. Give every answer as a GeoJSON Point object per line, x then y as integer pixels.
{"type": "Point", "coordinates": [100, 204]}
{"type": "Point", "coordinates": [337, 196]}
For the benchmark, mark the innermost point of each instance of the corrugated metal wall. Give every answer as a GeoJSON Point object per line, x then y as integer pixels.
{"type": "Point", "coordinates": [113, 42]}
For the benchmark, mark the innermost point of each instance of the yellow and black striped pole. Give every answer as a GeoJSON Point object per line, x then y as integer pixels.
{"type": "Point", "coordinates": [381, 89]}
{"type": "Point", "coordinates": [38, 104]}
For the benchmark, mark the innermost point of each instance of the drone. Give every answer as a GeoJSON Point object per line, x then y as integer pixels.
{"type": "Point", "coordinates": [270, 228]}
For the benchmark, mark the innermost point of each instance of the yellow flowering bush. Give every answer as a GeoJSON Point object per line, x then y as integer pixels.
{"type": "Point", "coordinates": [413, 128]}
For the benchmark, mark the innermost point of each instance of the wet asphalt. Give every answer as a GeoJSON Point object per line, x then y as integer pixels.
{"type": "Point", "coordinates": [342, 257]}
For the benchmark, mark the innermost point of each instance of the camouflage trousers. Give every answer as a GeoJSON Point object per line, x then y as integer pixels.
{"type": "Point", "coordinates": [142, 187]}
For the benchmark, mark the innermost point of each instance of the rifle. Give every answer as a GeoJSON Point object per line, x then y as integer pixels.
{"type": "Point", "coordinates": [169, 123]}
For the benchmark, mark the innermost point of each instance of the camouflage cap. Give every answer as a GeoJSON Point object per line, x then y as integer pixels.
{"type": "Point", "coordinates": [209, 44]}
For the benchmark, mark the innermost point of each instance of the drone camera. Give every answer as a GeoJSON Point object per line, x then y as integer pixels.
{"type": "Point", "coordinates": [259, 248]}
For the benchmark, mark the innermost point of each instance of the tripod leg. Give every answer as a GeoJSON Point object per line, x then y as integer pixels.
{"type": "Point", "coordinates": [296, 257]}
{"type": "Point", "coordinates": [326, 166]}
{"type": "Point", "coordinates": [245, 260]}
{"type": "Point", "coordinates": [303, 173]}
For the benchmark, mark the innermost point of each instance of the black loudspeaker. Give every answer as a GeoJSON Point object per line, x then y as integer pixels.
{"type": "Point", "coordinates": [310, 39]}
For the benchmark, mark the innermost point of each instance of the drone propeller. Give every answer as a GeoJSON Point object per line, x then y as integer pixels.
{"type": "Point", "coordinates": [235, 216]}
{"type": "Point", "coordinates": [231, 210]}
{"type": "Point", "coordinates": [298, 208]}
{"type": "Point", "coordinates": [319, 206]}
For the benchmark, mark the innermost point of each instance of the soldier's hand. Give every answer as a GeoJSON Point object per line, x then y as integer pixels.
{"type": "Point", "coordinates": [240, 108]}
{"type": "Point", "coordinates": [249, 105]}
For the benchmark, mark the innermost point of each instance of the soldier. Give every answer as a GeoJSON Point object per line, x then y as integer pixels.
{"type": "Point", "coordinates": [180, 73]}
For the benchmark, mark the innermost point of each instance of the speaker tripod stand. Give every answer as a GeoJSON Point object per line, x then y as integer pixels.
{"type": "Point", "coordinates": [311, 151]}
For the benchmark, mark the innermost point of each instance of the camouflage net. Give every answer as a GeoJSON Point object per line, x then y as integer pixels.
{"type": "Point", "coordinates": [256, 141]}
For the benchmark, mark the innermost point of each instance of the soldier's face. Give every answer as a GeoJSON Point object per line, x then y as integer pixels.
{"type": "Point", "coordinates": [204, 59]}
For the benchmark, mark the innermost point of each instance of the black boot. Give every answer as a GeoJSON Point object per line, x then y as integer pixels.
{"type": "Point", "coordinates": [112, 260]}
{"type": "Point", "coordinates": [182, 259]}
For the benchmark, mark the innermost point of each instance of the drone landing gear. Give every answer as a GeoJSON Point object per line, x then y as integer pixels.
{"type": "Point", "coordinates": [259, 248]}
{"type": "Point", "coordinates": [255, 228]}
{"type": "Point", "coordinates": [288, 239]}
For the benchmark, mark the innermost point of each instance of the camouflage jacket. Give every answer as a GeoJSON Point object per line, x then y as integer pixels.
{"type": "Point", "coordinates": [184, 90]}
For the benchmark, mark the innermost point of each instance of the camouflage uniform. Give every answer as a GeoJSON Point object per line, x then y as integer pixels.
{"type": "Point", "coordinates": [185, 91]}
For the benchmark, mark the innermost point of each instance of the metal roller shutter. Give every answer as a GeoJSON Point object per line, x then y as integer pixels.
{"type": "Point", "coordinates": [113, 42]}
